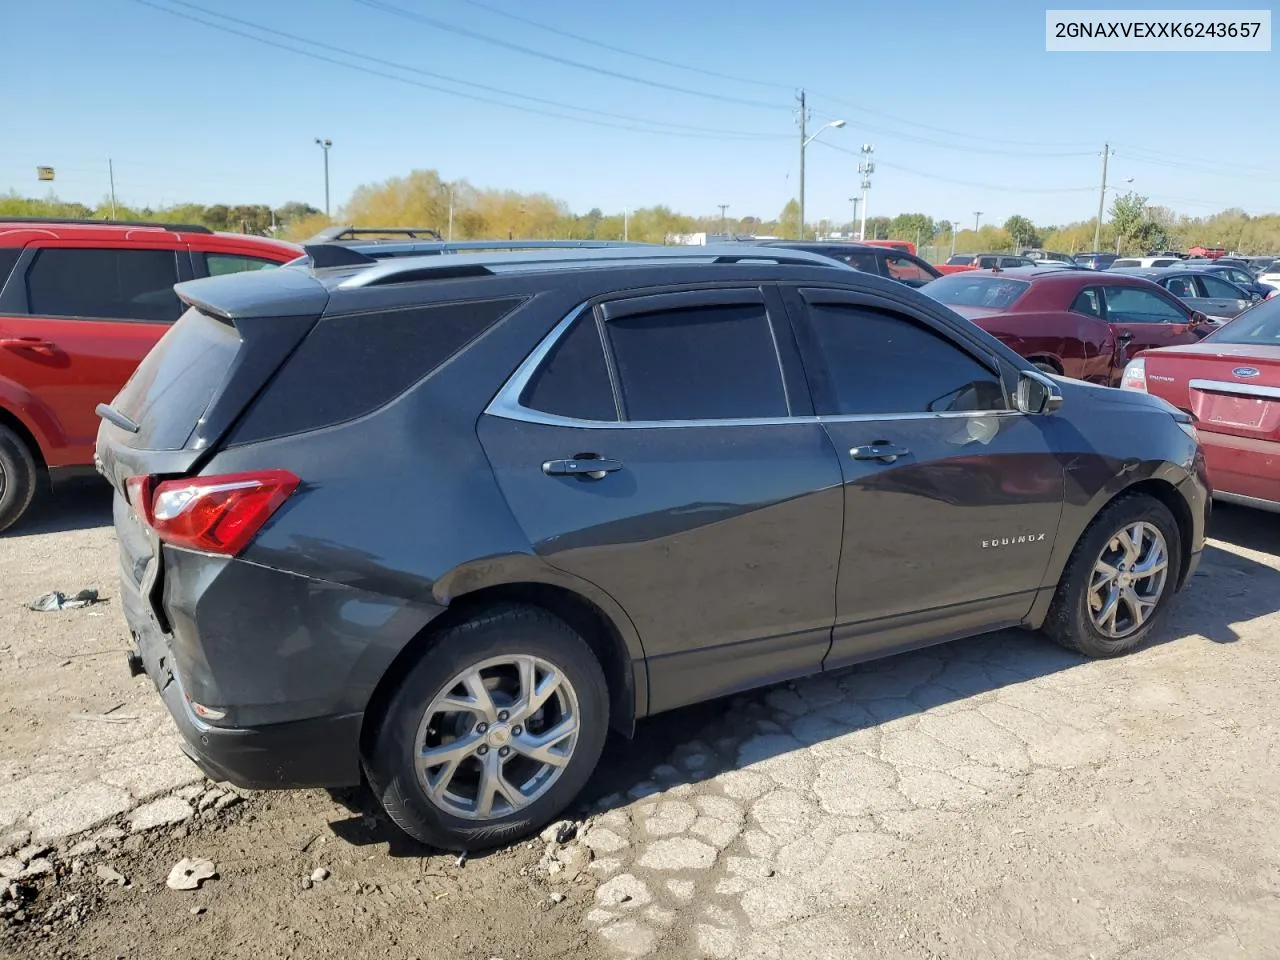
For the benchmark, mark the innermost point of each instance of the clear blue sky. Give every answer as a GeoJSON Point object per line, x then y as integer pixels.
{"type": "Point", "coordinates": [945, 91]}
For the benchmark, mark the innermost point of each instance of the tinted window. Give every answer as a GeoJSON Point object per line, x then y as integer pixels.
{"type": "Point", "coordinates": [8, 257]}
{"type": "Point", "coordinates": [1180, 287]}
{"type": "Point", "coordinates": [1135, 305]}
{"type": "Point", "coordinates": [976, 290]}
{"type": "Point", "coordinates": [220, 263]}
{"type": "Point", "coordinates": [959, 260]}
{"type": "Point", "coordinates": [907, 270]}
{"type": "Point", "coordinates": [1221, 290]}
{"type": "Point", "coordinates": [866, 262]}
{"type": "Point", "coordinates": [112, 284]}
{"type": "Point", "coordinates": [1014, 262]}
{"type": "Point", "coordinates": [177, 380]}
{"type": "Point", "coordinates": [1235, 276]}
{"type": "Point", "coordinates": [1088, 302]}
{"type": "Point", "coordinates": [1260, 325]}
{"type": "Point", "coordinates": [1127, 263]}
{"type": "Point", "coordinates": [881, 362]}
{"type": "Point", "coordinates": [701, 363]}
{"type": "Point", "coordinates": [349, 366]}
{"type": "Point", "coordinates": [574, 381]}
{"type": "Point", "coordinates": [986, 263]}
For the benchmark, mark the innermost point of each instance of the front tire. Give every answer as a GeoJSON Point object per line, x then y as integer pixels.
{"type": "Point", "coordinates": [492, 732]}
{"type": "Point", "coordinates": [18, 478]}
{"type": "Point", "coordinates": [1119, 579]}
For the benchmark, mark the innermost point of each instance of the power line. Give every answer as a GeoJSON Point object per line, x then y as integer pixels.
{"type": "Point", "coordinates": [565, 61]}
{"type": "Point", "coordinates": [705, 134]}
{"type": "Point", "coordinates": [626, 53]}
{"type": "Point", "coordinates": [756, 82]}
{"type": "Point", "coordinates": [962, 148]}
{"type": "Point", "coordinates": [964, 183]}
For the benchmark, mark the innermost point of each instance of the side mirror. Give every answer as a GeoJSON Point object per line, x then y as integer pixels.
{"type": "Point", "coordinates": [1198, 318]}
{"type": "Point", "coordinates": [1255, 296]}
{"type": "Point", "coordinates": [1037, 394]}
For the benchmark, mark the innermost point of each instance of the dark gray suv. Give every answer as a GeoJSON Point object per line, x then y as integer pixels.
{"type": "Point", "coordinates": [445, 520]}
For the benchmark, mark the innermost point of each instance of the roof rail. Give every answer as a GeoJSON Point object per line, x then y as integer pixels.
{"type": "Point", "coordinates": [429, 267]}
{"type": "Point", "coordinates": [335, 255]}
{"type": "Point", "coordinates": [93, 222]}
{"type": "Point", "coordinates": [352, 232]}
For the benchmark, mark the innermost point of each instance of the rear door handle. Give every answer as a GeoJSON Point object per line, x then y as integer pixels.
{"type": "Point", "coordinates": [884, 452]}
{"type": "Point", "coordinates": [39, 344]}
{"type": "Point", "coordinates": [593, 467]}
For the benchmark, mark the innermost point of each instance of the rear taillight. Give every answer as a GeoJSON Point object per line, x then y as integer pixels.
{"type": "Point", "coordinates": [1135, 376]}
{"type": "Point", "coordinates": [212, 514]}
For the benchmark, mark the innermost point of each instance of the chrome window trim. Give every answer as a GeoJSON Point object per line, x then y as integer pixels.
{"type": "Point", "coordinates": [1241, 389]}
{"type": "Point", "coordinates": [506, 402]}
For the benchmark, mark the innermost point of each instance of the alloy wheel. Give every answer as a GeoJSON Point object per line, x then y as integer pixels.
{"type": "Point", "coordinates": [497, 737]}
{"type": "Point", "coordinates": [1128, 580]}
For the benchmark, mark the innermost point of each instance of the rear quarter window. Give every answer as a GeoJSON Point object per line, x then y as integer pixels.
{"type": "Point", "coordinates": [350, 365]}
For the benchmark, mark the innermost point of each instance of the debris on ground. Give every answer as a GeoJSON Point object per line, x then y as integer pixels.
{"type": "Point", "coordinates": [319, 874]}
{"type": "Point", "coordinates": [109, 875]}
{"type": "Point", "coordinates": [462, 859]}
{"type": "Point", "coordinates": [562, 831]}
{"type": "Point", "coordinates": [189, 873]}
{"type": "Point", "coordinates": [57, 600]}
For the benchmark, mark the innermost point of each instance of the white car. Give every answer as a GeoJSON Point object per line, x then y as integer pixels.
{"type": "Point", "coordinates": [1271, 277]}
{"type": "Point", "coordinates": [1147, 262]}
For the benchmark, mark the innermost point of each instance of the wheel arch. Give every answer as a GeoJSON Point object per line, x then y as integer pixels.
{"type": "Point", "coordinates": [592, 614]}
{"type": "Point", "coordinates": [1160, 482]}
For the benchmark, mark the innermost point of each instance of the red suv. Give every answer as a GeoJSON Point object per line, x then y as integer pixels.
{"type": "Point", "coordinates": [81, 303]}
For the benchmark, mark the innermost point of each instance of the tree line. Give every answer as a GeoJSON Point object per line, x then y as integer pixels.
{"type": "Point", "coordinates": [462, 211]}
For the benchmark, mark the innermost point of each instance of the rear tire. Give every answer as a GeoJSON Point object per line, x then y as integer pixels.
{"type": "Point", "coordinates": [1044, 367]}
{"type": "Point", "coordinates": [18, 478]}
{"type": "Point", "coordinates": [500, 654]}
{"type": "Point", "coordinates": [1078, 616]}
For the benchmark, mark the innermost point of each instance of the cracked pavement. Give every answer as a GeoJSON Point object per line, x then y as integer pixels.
{"type": "Point", "coordinates": [992, 798]}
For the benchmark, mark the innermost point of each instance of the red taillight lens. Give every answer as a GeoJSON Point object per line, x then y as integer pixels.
{"type": "Point", "coordinates": [213, 514]}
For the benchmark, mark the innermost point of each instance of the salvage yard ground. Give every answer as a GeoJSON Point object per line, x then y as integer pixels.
{"type": "Point", "coordinates": [992, 798]}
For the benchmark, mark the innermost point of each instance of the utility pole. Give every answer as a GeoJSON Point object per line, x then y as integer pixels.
{"type": "Point", "coordinates": [325, 145]}
{"type": "Point", "coordinates": [626, 224]}
{"type": "Point", "coordinates": [1102, 197]}
{"type": "Point", "coordinates": [866, 167]}
{"type": "Point", "coordinates": [724, 228]}
{"type": "Point", "coordinates": [977, 215]}
{"type": "Point", "coordinates": [803, 143]}
{"type": "Point", "coordinates": [451, 213]}
{"type": "Point", "coordinates": [854, 222]}
{"type": "Point", "coordinates": [111, 176]}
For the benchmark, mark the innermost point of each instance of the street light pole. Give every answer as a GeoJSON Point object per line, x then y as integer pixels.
{"type": "Point", "coordinates": [723, 222]}
{"type": "Point", "coordinates": [977, 215]}
{"type": "Point", "coordinates": [325, 145]}
{"type": "Point", "coordinates": [854, 222]}
{"type": "Point", "coordinates": [804, 142]}
{"type": "Point", "coordinates": [955, 227]}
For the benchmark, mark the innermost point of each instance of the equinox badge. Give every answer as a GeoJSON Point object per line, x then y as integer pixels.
{"type": "Point", "coordinates": [1010, 541]}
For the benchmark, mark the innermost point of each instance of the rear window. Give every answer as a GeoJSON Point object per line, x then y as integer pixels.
{"type": "Point", "coordinates": [959, 261]}
{"type": "Point", "coordinates": [178, 379]}
{"type": "Point", "coordinates": [976, 290]}
{"type": "Point", "coordinates": [104, 284]}
{"type": "Point", "coordinates": [1260, 325]}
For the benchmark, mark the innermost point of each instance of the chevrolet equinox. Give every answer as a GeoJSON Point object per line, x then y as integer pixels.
{"type": "Point", "coordinates": [440, 522]}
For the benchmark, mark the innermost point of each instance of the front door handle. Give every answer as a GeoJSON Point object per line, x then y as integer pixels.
{"type": "Point", "coordinates": [38, 344]}
{"type": "Point", "coordinates": [592, 467]}
{"type": "Point", "coordinates": [884, 452]}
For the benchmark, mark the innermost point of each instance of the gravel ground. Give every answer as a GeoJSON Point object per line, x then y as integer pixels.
{"type": "Point", "coordinates": [991, 798]}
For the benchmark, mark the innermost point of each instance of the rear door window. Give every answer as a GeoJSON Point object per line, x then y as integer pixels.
{"type": "Point", "coordinates": [712, 362]}
{"type": "Point", "coordinates": [1088, 302]}
{"type": "Point", "coordinates": [108, 284]}
{"type": "Point", "coordinates": [8, 259]}
{"type": "Point", "coordinates": [574, 379]}
{"type": "Point", "coordinates": [1220, 289]}
{"type": "Point", "coordinates": [906, 269]}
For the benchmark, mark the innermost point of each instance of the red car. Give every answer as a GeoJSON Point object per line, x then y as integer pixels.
{"type": "Point", "coordinates": [1230, 382]}
{"type": "Point", "coordinates": [1082, 324]}
{"type": "Point", "coordinates": [81, 303]}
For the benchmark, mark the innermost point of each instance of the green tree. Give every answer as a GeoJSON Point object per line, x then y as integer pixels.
{"type": "Point", "coordinates": [916, 227]}
{"type": "Point", "coordinates": [1022, 230]}
{"type": "Point", "coordinates": [1128, 216]}
{"type": "Point", "coordinates": [789, 219]}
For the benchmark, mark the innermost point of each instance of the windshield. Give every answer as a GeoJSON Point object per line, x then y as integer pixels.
{"type": "Point", "coordinates": [976, 290]}
{"type": "Point", "coordinates": [1260, 326]}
